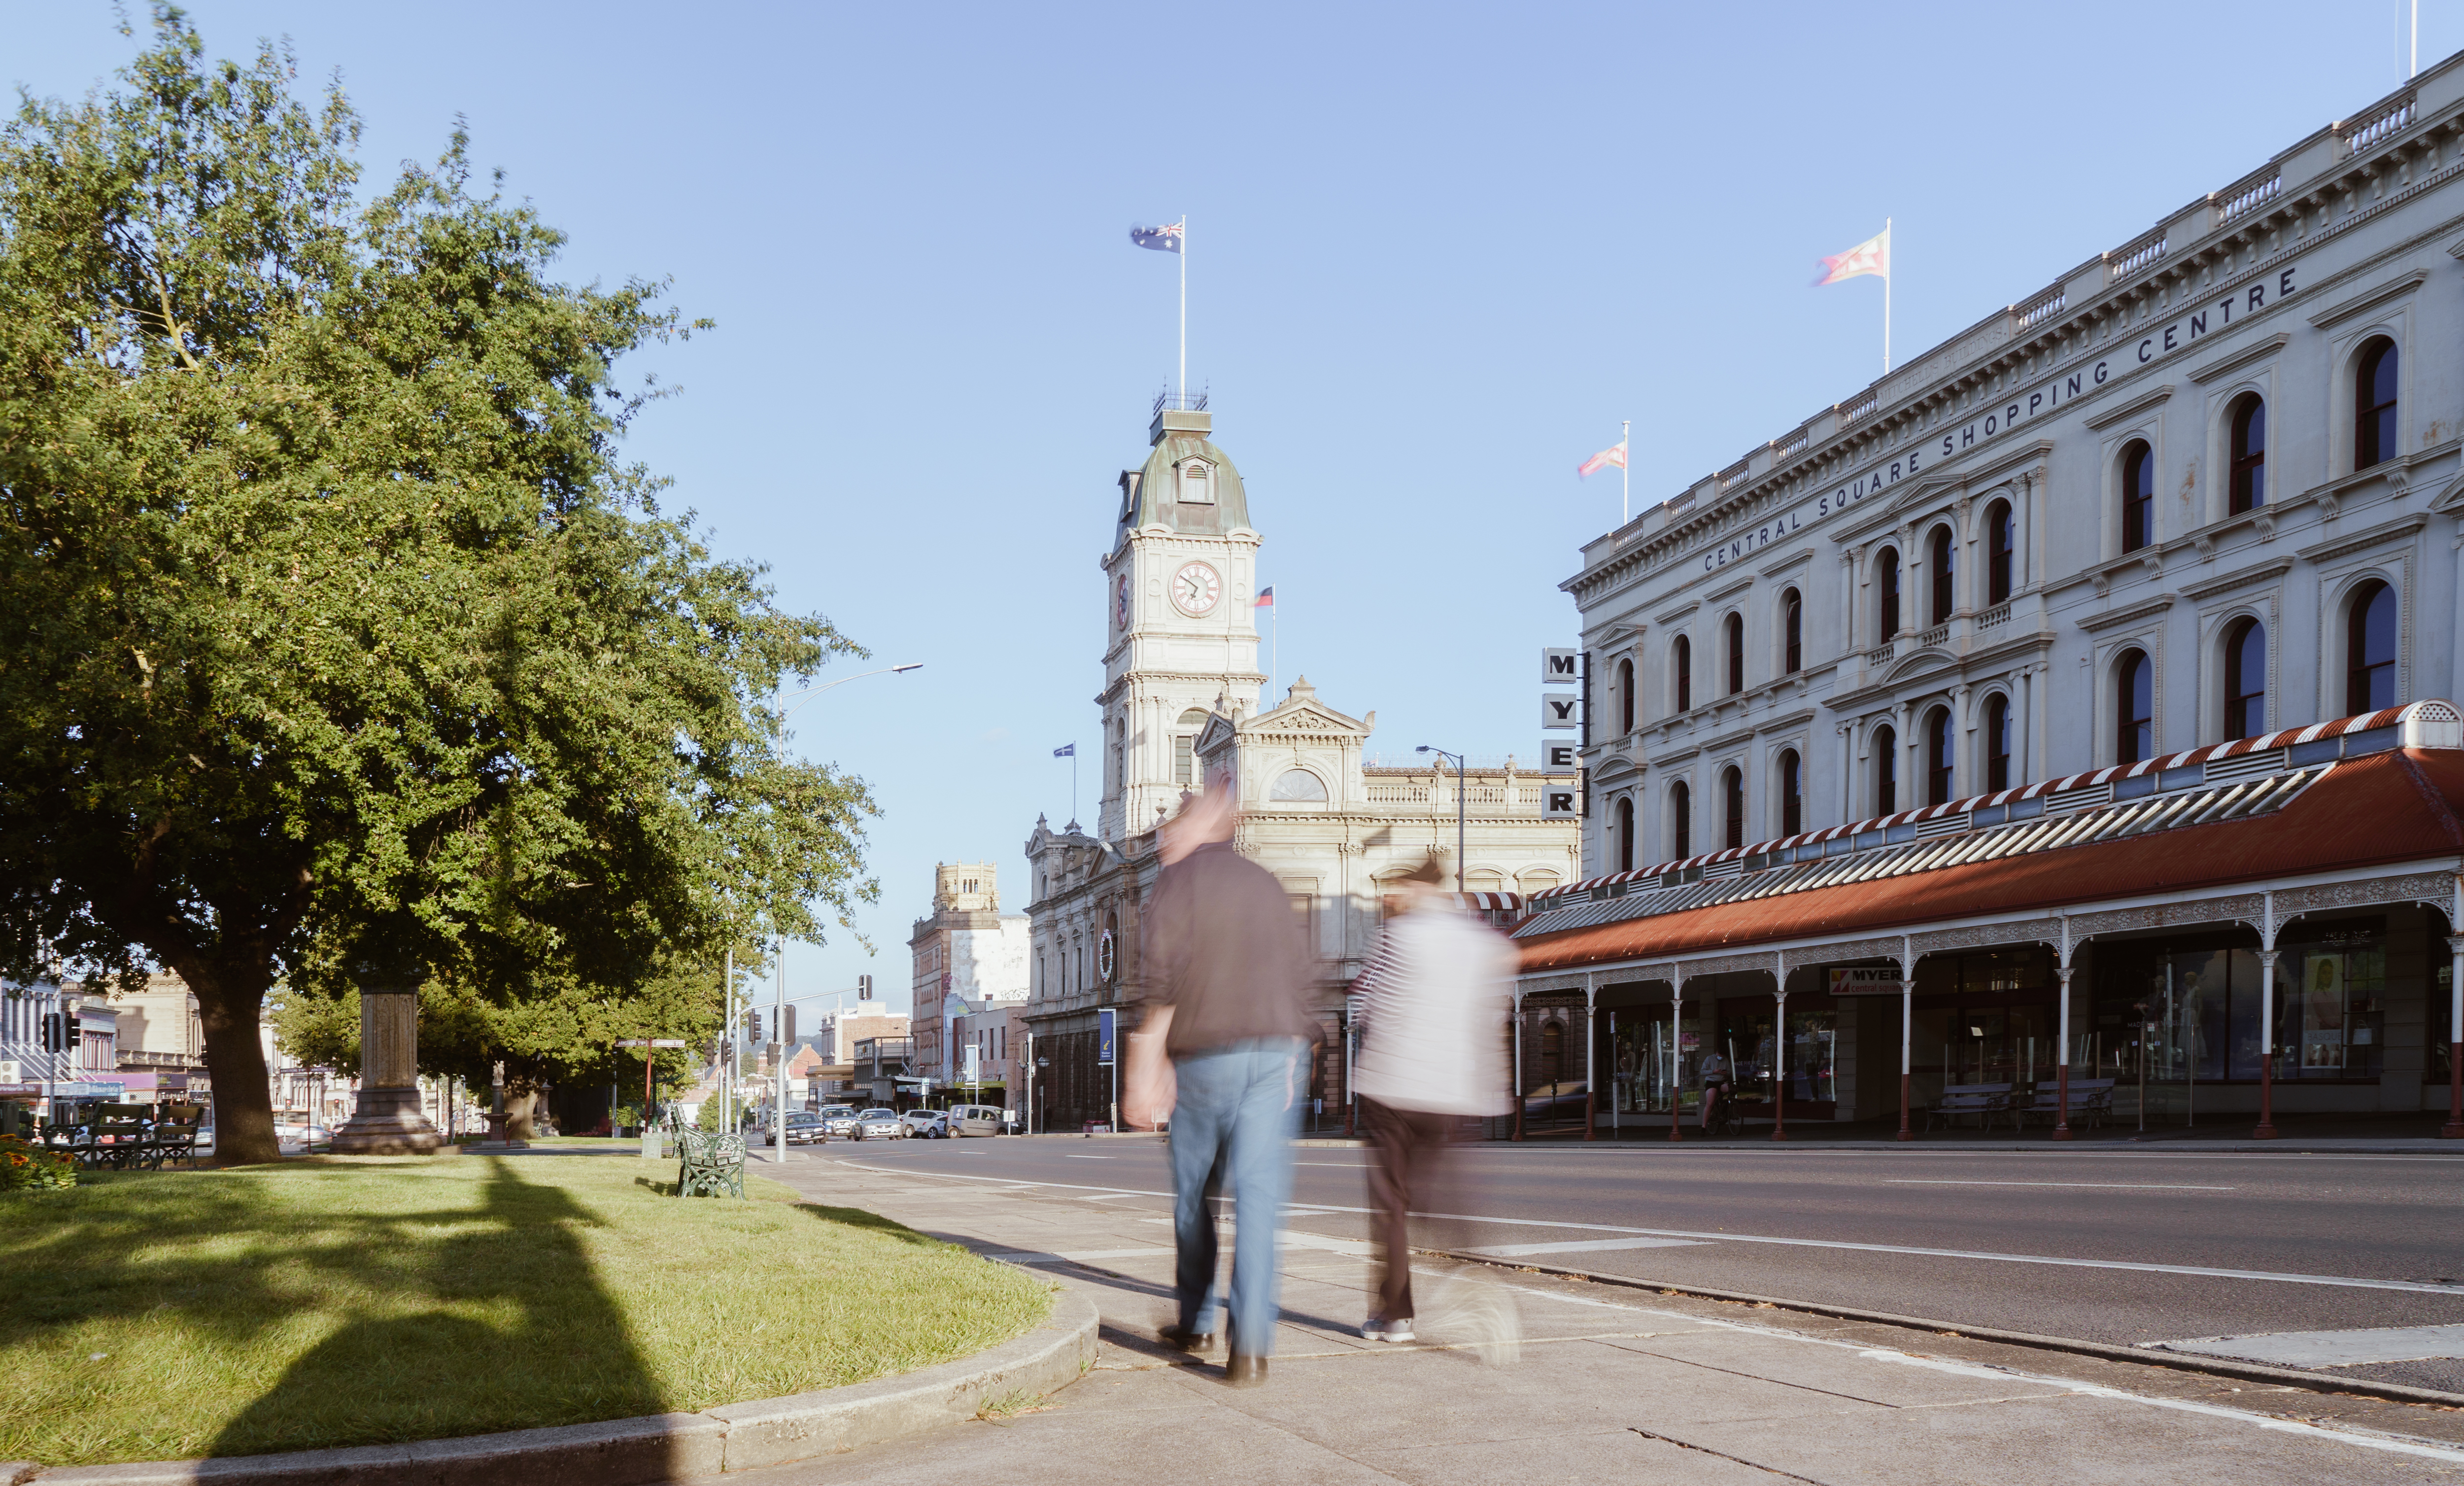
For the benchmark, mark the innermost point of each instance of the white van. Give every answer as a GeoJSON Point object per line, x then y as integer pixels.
{"type": "Point", "coordinates": [975, 1119]}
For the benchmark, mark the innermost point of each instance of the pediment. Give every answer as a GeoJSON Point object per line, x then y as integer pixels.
{"type": "Point", "coordinates": [1218, 731]}
{"type": "Point", "coordinates": [1304, 719]}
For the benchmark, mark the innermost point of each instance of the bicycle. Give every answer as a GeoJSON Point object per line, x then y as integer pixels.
{"type": "Point", "coordinates": [1724, 1125]}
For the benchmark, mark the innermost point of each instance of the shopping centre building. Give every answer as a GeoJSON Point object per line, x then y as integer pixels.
{"type": "Point", "coordinates": [2063, 707]}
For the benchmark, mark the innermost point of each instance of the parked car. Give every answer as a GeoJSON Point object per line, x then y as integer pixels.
{"type": "Point", "coordinates": [839, 1120]}
{"type": "Point", "coordinates": [880, 1125]}
{"type": "Point", "coordinates": [306, 1137]}
{"type": "Point", "coordinates": [975, 1119]}
{"type": "Point", "coordinates": [930, 1125]}
{"type": "Point", "coordinates": [805, 1128]}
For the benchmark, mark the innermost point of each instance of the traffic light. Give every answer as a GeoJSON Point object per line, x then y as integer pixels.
{"type": "Point", "coordinates": [864, 987]}
{"type": "Point", "coordinates": [753, 1026]}
{"type": "Point", "coordinates": [56, 1031]}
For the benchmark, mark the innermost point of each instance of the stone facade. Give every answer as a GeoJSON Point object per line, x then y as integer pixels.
{"type": "Point", "coordinates": [966, 950]}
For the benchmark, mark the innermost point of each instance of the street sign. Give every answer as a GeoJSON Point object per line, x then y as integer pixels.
{"type": "Point", "coordinates": [1558, 666]}
{"type": "Point", "coordinates": [1104, 1029]}
{"type": "Point", "coordinates": [652, 1042]}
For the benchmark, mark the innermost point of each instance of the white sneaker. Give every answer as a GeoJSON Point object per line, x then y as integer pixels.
{"type": "Point", "coordinates": [1377, 1330]}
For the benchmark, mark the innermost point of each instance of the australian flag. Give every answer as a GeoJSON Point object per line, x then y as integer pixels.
{"type": "Point", "coordinates": [1162, 240]}
{"type": "Point", "coordinates": [1066, 751]}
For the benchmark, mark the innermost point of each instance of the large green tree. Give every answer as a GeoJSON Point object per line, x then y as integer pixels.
{"type": "Point", "coordinates": [339, 639]}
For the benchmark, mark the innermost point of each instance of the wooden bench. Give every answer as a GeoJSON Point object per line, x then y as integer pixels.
{"type": "Point", "coordinates": [2091, 1100]}
{"type": "Point", "coordinates": [709, 1165]}
{"type": "Point", "coordinates": [175, 1135]}
{"type": "Point", "coordinates": [1985, 1100]}
{"type": "Point", "coordinates": [120, 1136]}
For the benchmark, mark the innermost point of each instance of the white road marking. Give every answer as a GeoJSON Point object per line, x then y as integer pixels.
{"type": "Point", "coordinates": [2329, 1348]}
{"type": "Point", "coordinates": [2343, 1282]}
{"type": "Point", "coordinates": [1339, 1165]}
{"type": "Point", "coordinates": [1068, 1157]}
{"type": "Point", "coordinates": [1582, 1246]}
{"type": "Point", "coordinates": [2102, 1187]}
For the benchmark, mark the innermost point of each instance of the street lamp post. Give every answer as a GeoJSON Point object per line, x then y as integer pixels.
{"type": "Point", "coordinates": [1460, 787]}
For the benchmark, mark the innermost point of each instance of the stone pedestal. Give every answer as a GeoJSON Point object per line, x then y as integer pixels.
{"type": "Point", "coordinates": [390, 1122]}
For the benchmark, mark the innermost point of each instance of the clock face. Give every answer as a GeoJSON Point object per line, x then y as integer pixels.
{"type": "Point", "coordinates": [1121, 604]}
{"type": "Point", "coordinates": [1195, 587]}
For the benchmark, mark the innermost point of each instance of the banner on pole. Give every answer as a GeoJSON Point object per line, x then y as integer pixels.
{"type": "Point", "coordinates": [1104, 1027]}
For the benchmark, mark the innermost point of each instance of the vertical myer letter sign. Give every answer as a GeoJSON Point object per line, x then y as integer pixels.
{"type": "Point", "coordinates": [1557, 711]}
{"type": "Point", "coordinates": [1558, 666]}
{"type": "Point", "coordinates": [1561, 799]}
{"type": "Point", "coordinates": [1557, 755]}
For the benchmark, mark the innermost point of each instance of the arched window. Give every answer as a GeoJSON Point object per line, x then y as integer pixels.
{"type": "Point", "coordinates": [1735, 630]}
{"type": "Point", "coordinates": [2374, 379]}
{"type": "Point", "coordinates": [1185, 738]}
{"type": "Point", "coordinates": [1792, 793]}
{"type": "Point", "coordinates": [1196, 489]}
{"type": "Point", "coordinates": [1886, 590]}
{"type": "Point", "coordinates": [1733, 807]}
{"type": "Point", "coordinates": [1997, 741]}
{"type": "Point", "coordinates": [1886, 770]}
{"type": "Point", "coordinates": [2244, 679]}
{"type": "Point", "coordinates": [2138, 496]}
{"type": "Point", "coordinates": [1791, 609]}
{"type": "Point", "coordinates": [1681, 820]}
{"type": "Point", "coordinates": [1681, 663]}
{"type": "Point", "coordinates": [2134, 708]}
{"type": "Point", "coordinates": [1938, 565]}
{"type": "Point", "coordinates": [1625, 697]}
{"type": "Point", "coordinates": [1938, 772]}
{"type": "Point", "coordinates": [2370, 649]}
{"type": "Point", "coordinates": [2249, 467]}
{"type": "Point", "coordinates": [1299, 784]}
{"type": "Point", "coordinates": [2000, 540]}
{"type": "Point", "coordinates": [1625, 833]}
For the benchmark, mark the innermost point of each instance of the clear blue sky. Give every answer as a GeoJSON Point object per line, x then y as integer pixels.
{"type": "Point", "coordinates": [1437, 254]}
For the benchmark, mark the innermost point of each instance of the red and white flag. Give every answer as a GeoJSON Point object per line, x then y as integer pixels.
{"type": "Point", "coordinates": [1613, 458]}
{"type": "Point", "coordinates": [1872, 257]}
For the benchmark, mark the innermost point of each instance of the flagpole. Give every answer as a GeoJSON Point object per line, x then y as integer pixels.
{"type": "Point", "coordinates": [1184, 310]}
{"type": "Point", "coordinates": [1887, 298]}
{"type": "Point", "coordinates": [1625, 474]}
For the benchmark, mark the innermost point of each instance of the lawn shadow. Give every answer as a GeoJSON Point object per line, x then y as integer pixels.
{"type": "Point", "coordinates": [503, 1310]}
{"type": "Point", "coordinates": [874, 1222]}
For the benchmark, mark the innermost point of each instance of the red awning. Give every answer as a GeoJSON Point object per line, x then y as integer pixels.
{"type": "Point", "coordinates": [2400, 806]}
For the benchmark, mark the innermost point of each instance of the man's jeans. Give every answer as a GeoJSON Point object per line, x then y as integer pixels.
{"type": "Point", "coordinates": [1233, 1118]}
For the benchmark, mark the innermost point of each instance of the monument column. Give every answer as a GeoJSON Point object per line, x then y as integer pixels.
{"type": "Point", "coordinates": [389, 1120]}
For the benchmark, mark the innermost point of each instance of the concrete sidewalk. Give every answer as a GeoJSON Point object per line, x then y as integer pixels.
{"type": "Point", "coordinates": [1609, 1383]}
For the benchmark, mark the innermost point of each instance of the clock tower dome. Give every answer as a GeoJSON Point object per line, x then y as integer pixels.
{"type": "Point", "coordinates": [1182, 638]}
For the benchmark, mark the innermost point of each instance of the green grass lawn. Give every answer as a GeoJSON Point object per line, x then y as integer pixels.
{"type": "Point", "coordinates": [344, 1300]}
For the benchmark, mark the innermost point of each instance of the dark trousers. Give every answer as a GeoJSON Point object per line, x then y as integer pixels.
{"type": "Point", "coordinates": [1409, 1146]}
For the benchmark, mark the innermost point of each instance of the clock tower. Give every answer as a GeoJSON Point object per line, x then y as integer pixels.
{"type": "Point", "coordinates": [1182, 638]}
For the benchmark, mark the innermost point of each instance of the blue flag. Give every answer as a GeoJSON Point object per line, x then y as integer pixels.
{"type": "Point", "coordinates": [1162, 240]}
{"type": "Point", "coordinates": [1066, 751]}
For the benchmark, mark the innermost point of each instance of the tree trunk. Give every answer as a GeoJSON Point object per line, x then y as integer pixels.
{"type": "Point", "coordinates": [228, 1013]}
{"type": "Point", "coordinates": [521, 1100]}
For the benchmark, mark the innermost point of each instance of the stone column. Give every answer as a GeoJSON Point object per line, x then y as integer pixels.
{"type": "Point", "coordinates": [389, 1120]}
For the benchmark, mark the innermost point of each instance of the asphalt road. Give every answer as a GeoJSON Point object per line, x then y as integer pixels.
{"type": "Point", "coordinates": [2095, 1245]}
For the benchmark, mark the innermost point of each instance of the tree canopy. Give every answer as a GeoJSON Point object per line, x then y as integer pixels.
{"type": "Point", "coordinates": [340, 641]}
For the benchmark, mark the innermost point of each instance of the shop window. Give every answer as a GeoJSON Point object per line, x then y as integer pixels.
{"type": "Point", "coordinates": [1792, 615]}
{"type": "Point", "coordinates": [2370, 649]}
{"type": "Point", "coordinates": [2332, 986]}
{"type": "Point", "coordinates": [1681, 819]}
{"type": "Point", "coordinates": [2374, 379]}
{"type": "Point", "coordinates": [1792, 793]}
{"type": "Point", "coordinates": [1681, 660]}
{"type": "Point", "coordinates": [1625, 698]}
{"type": "Point", "coordinates": [1938, 770]}
{"type": "Point", "coordinates": [1998, 742]}
{"type": "Point", "coordinates": [2138, 496]}
{"type": "Point", "coordinates": [1886, 772]}
{"type": "Point", "coordinates": [1886, 596]}
{"type": "Point", "coordinates": [1938, 575]}
{"type": "Point", "coordinates": [2248, 482]}
{"type": "Point", "coordinates": [1733, 807]}
{"type": "Point", "coordinates": [1625, 833]}
{"type": "Point", "coordinates": [2001, 540]}
{"type": "Point", "coordinates": [2244, 679]}
{"type": "Point", "coordinates": [2134, 708]}
{"type": "Point", "coordinates": [1735, 635]}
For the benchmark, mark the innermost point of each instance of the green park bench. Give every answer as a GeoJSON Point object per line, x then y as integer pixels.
{"type": "Point", "coordinates": [120, 1138]}
{"type": "Point", "coordinates": [709, 1165]}
{"type": "Point", "coordinates": [174, 1135]}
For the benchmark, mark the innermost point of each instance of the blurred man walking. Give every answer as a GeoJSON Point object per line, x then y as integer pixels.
{"type": "Point", "coordinates": [1226, 978]}
{"type": "Point", "coordinates": [1435, 1004]}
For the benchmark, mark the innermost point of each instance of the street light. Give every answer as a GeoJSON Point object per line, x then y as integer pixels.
{"type": "Point", "coordinates": [779, 1109]}
{"type": "Point", "coordinates": [1459, 786]}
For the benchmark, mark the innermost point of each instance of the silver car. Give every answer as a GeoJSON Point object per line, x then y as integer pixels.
{"type": "Point", "coordinates": [880, 1125]}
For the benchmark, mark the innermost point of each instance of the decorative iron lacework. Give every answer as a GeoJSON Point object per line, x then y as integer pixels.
{"type": "Point", "coordinates": [2420, 725]}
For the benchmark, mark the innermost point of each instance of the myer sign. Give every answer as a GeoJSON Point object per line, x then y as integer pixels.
{"type": "Point", "coordinates": [1561, 798]}
{"type": "Point", "coordinates": [2205, 318]}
